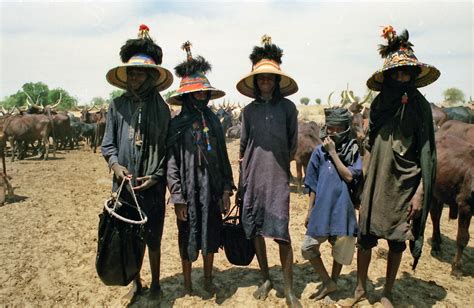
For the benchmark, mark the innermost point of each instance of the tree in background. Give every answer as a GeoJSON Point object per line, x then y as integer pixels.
{"type": "Point", "coordinates": [98, 101]}
{"type": "Point", "coordinates": [40, 94]}
{"type": "Point", "coordinates": [318, 101]}
{"type": "Point", "coordinates": [114, 94]}
{"type": "Point", "coordinates": [453, 95]}
{"type": "Point", "coordinates": [304, 101]}
{"type": "Point", "coordinates": [168, 94]}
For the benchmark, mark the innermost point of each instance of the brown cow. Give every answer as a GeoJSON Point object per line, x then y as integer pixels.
{"type": "Point", "coordinates": [24, 129]}
{"type": "Point", "coordinates": [308, 140]}
{"type": "Point", "coordinates": [454, 186]}
{"type": "Point", "coordinates": [458, 128]}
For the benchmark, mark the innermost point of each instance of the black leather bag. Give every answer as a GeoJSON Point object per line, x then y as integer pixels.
{"type": "Point", "coordinates": [120, 244]}
{"type": "Point", "coordinates": [238, 249]}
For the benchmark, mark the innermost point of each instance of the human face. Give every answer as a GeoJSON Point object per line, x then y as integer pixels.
{"type": "Point", "coordinates": [200, 95]}
{"type": "Point", "coordinates": [332, 130]}
{"type": "Point", "coordinates": [266, 84]}
{"type": "Point", "coordinates": [400, 76]}
{"type": "Point", "coordinates": [136, 77]}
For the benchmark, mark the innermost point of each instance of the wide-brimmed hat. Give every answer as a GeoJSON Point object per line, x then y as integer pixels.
{"type": "Point", "coordinates": [267, 60]}
{"type": "Point", "coordinates": [193, 77]}
{"type": "Point", "coordinates": [142, 52]}
{"type": "Point", "coordinates": [399, 53]}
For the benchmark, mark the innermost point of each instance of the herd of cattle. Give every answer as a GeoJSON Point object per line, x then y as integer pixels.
{"type": "Point", "coordinates": [33, 128]}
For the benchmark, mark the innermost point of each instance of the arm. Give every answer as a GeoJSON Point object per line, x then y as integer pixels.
{"type": "Point", "coordinates": [173, 177]}
{"type": "Point", "coordinates": [416, 202]}
{"type": "Point", "coordinates": [292, 130]}
{"type": "Point", "coordinates": [109, 146]}
{"type": "Point", "coordinates": [312, 199]}
{"type": "Point", "coordinates": [244, 134]}
{"type": "Point", "coordinates": [343, 171]}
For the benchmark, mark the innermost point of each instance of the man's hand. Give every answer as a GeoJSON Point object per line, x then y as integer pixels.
{"type": "Point", "coordinates": [329, 145]}
{"type": "Point", "coordinates": [147, 182]}
{"type": "Point", "coordinates": [120, 172]}
{"type": "Point", "coordinates": [415, 207]}
{"type": "Point", "coordinates": [181, 211]}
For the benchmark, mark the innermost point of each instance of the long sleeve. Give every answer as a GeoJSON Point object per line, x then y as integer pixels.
{"type": "Point", "coordinates": [244, 135]}
{"type": "Point", "coordinates": [109, 146]}
{"type": "Point", "coordinates": [292, 129]}
{"type": "Point", "coordinates": [173, 175]}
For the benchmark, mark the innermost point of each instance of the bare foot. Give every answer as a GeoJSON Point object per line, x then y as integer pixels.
{"type": "Point", "coordinates": [386, 301]}
{"type": "Point", "coordinates": [155, 293]}
{"type": "Point", "coordinates": [135, 292]}
{"type": "Point", "coordinates": [359, 295]}
{"type": "Point", "coordinates": [263, 290]}
{"type": "Point", "coordinates": [209, 286]}
{"type": "Point", "coordinates": [292, 300]}
{"type": "Point", "coordinates": [324, 290]}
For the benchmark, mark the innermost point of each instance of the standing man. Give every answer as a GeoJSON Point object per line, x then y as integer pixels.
{"type": "Point", "coordinates": [199, 172]}
{"type": "Point", "coordinates": [403, 160]}
{"type": "Point", "coordinates": [134, 141]}
{"type": "Point", "coordinates": [267, 143]}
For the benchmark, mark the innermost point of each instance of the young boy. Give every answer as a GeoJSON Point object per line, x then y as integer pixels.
{"type": "Point", "coordinates": [334, 169]}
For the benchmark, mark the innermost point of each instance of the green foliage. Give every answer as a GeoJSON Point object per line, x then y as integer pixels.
{"type": "Point", "coordinates": [304, 100]}
{"type": "Point", "coordinates": [98, 101]}
{"type": "Point", "coordinates": [40, 94]}
{"type": "Point", "coordinates": [318, 101]}
{"type": "Point", "coordinates": [453, 95]}
{"type": "Point", "coordinates": [168, 94]}
{"type": "Point", "coordinates": [114, 94]}
{"type": "Point", "coordinates": [67, 101]}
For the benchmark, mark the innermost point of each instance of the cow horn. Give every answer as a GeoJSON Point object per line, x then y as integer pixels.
{"type": "Point", "coordinates": [29, 100]}
{"type": "Point", "coordinates": [329, 98]}
{"type": "Point", "coordinates": [351, 97]}
{"type": "Point", "coordinates": [58, 101]}
{"type": "Point", "coordinates": [4, 111]}
{"type": "Point", "coordinates": [343, 98]}
{"type": "Point", "coordinates": [369, 94]}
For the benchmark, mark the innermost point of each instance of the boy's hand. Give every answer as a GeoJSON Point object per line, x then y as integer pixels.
{"type": "Point", "coordinates": [306, 220]}
{"type": "Point", "coordinates": [329, 145]}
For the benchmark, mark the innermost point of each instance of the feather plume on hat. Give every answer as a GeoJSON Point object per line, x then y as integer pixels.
{"type": "Point", "coordinates": [191, 66]}
{"type": "Point", "coordinates": [394, 42]}
{"type": "Point", "coordinates": [267, 51]}
{"type": "Point", "coordinates": [143, 44]}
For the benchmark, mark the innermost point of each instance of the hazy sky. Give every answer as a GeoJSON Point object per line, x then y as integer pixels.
{"type": "Point", "coordinates": [326, 44]}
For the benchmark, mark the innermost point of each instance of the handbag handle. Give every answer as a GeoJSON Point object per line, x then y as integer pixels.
{"type": "Point", "coordinates": [111, 211]}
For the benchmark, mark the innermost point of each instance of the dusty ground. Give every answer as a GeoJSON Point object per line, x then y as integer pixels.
{"type": "Point", "coordinates": [48, 241]}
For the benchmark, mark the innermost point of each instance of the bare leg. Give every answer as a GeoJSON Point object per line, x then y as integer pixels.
{"type": "Point", "coordinates": [336, 271]}
{"type": "Point", "coordinates": [208, 263]}
{"type": "Point", "coordinates": [155, 258]}
{"type": "Point", "coordinates": [286, 258]}
{"type": "Point", "coordinates": [188, 286]}
{"type": "Point", "coordinates": [261, 252]}
{"type": "Point", "coordinates": [363, 260]}
{"type": "Point", "coordinates": [329, 285]}
{"type": "Point", "coordinates": [393, 263]}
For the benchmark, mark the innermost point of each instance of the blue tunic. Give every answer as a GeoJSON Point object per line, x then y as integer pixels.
{"type": "Point", "coordinates": [333, 212]}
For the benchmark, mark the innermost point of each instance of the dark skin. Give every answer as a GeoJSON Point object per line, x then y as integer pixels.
{"type": "Point", "coordinates": [394, 258]}
{"type": "Point", "coordinates": [135, 78]}
{"type": "Point", "coordinates": [181, 211]}
{"type": "Point", "coordinates": [266, 84]}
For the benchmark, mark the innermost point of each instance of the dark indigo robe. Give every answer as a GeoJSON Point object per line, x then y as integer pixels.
{"type": "Point", "coordinates": [268, 142]}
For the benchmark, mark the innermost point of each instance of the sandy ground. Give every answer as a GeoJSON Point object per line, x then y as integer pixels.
{"type": "Point", "coordinates": [48, 242]}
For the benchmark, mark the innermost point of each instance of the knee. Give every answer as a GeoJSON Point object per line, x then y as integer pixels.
{"type": "Point", "coordinates": [397, 247]}
{"type": "Point", "coordinates": [310, 253]}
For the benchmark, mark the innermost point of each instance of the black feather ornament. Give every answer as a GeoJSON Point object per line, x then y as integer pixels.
{"type": "Point", "coordinates": [145, 46]}
{"type": "Point", "coordinates": [268, 51]}
{"type": "Point", "coordinates": [193, 66]}
{"type": "Point", "coordinates": [394, 43]}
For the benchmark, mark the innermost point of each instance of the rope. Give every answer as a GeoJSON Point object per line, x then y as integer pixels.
{"type": "Point", "coordinates": [111, 211]}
